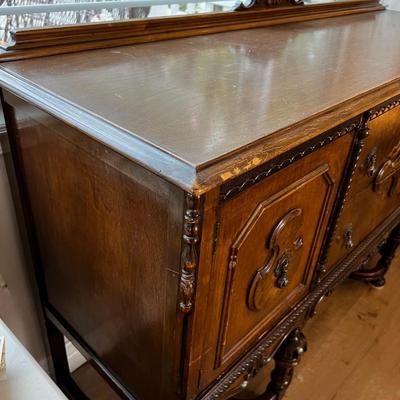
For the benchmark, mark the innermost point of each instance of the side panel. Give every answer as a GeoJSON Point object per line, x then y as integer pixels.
{"type": "Point", "coordinates": [109, 239]}
{"type": "Point", "coordinates": [18, 306]}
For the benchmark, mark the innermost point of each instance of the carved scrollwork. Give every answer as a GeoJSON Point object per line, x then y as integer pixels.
{"type": "Point", "coordinates": [189, 252]}
{"type": "Point", "coordinates": [261, 353]}
{"type": "Point", "coordinates": [282, 243]}
{"type": "Point", "coordinates": [387, 177]}
{"type": "Point", "coordinates": [252, 4]}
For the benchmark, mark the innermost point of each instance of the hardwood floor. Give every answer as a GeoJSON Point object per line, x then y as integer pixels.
{"type": "Point", "coordinates": [354, 345]}
{"type": "Point", "coordinates": [353, 348]}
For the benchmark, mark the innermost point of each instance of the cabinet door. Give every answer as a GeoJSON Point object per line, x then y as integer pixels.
{"type": "Point", "coordinates": [269, 239]}
{"type": "Point", "coordinates": [375, 188]}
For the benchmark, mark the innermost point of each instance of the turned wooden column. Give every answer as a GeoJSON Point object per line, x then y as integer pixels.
{"type": "Point", "coordinates": [376, 276]}
{"type": "Point", "coordinates": [286, 358]}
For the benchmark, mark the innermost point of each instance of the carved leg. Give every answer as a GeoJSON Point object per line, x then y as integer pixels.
{"type": "Point", "coordinates": [376, 277]}
{"type": "Point", "coordinates": [286, 358]}
{"type": "Point", "coordinates": [378, 282]}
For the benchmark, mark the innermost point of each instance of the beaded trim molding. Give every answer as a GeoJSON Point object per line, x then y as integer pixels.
{"type": "Point", "coordinates": [243, 182]}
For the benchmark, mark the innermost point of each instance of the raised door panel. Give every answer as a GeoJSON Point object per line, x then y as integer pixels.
{"type": "Point", "coordinates": [375, 189]}
{"type": "Point", "coordinates": [268, 264]}
{"type": "Point", "coordinates": [269, 239]}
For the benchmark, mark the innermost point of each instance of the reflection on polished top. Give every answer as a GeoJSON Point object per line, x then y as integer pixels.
{"type": "Point", "coordinates": [203, 97]}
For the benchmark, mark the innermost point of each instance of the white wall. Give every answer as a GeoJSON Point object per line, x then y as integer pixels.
{"type": "Point", "coordinates": [392, 4]}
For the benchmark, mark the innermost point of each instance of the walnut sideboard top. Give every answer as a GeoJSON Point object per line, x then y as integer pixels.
{"type": "Point", "coordinates": [188, 203]}
{"type": "Point", "coordinates": [200, 110]}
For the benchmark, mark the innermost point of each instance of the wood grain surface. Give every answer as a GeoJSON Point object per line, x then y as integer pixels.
{"type": "Point", "coordinates": [201, 100]}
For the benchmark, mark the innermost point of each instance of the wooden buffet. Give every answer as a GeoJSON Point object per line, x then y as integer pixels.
{"type": "Point", "coordinates": [189, 202]}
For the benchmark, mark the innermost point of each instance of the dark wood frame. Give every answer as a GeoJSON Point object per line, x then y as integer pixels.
{"type": "Point", "coordinates": [34, 42]}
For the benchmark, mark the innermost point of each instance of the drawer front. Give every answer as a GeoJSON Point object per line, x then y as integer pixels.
{"type": "Point", "coordinates": [375, 190]}
{"type": "Point", "coordinates": [269, 238]}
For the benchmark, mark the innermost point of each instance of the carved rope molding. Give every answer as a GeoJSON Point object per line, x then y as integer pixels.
{"type": "Point", "coordinates": [259, 356]}
{"type": "Point", "coordinates": [275, 166]}
{"type": "Point", "coordinates": [362, 133]}
{"type": "Point", "coordinates": [272, 167]}
{"type": "Point", "coordinates": [384, 109]}
{"type": "Point", "coordinates": [189, 252]}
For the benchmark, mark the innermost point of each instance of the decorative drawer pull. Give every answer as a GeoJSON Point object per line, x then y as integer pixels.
{"type": "Point", "coordinates": [283, 242]}
{"type": "Point", "coordinates": [298, 243]}
{"type": "Point", "coordinates": [370, 166]}
{"type": "Point", "coordinates": [282, 267]}
{"type": "Point", "coordinates": [348, 237]}
{"type": "Point", "coordinates": [281, 271]}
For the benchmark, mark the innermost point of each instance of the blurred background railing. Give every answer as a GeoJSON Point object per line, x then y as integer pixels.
{"type": "Point", "coordinates": [16, 14]}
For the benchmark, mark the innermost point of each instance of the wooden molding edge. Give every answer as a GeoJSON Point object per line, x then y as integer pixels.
{"type": "Point", "coordinates": [34, 42]}
{"type": "Point", "coordinates": [233, 165]}
{"type": "Point", "coordinates": [246, 180]}
{"type": "Point", "coordinates": [196, 179]}
{"type": "Point", "coordinates": [125, 143]}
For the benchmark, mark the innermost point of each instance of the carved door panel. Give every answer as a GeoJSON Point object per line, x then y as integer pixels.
{"type": "Point", "coordinates": [269, 238]}
{"type": "Point", "coordinates": [375, 189]}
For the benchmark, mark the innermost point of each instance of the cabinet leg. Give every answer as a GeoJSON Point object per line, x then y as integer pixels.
{"type": "Point", "coordinates": [59, 363]}
{"type": "Point", "coordinates": [376, 276]}
{"type": "Point", "coordinates": [378, 282]}
{"type": "Point", "coordinates": [286, 358]}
